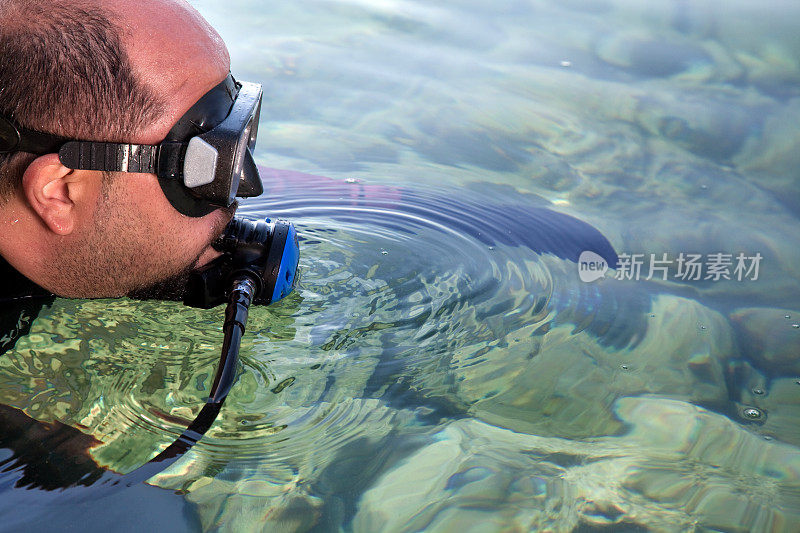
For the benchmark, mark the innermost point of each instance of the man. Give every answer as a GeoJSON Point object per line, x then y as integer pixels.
{"type": "Point", "coordinates": [124, 141]}
{"type": "Point", "coordinates": [108, 71]}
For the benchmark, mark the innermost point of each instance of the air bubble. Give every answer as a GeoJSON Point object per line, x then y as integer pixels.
{"type": "Point", "coordinates": [758, 391]}
{"type": "Point", "coordinates": [624, 367]}
{"type": "Point", "coordinates": [752, 413]}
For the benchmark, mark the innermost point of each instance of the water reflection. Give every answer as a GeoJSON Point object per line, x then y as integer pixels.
{"type": "Point", "coordinates": [416, 309]}
{"type": "Point", "coordinates": [435, 371]}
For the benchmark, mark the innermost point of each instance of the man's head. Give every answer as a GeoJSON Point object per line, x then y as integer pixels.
{"type": "Point", "coordinates": [113, 71]}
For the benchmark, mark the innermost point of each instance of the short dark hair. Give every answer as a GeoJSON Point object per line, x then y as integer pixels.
{"type": "Point", "coordinates": [64, 70]}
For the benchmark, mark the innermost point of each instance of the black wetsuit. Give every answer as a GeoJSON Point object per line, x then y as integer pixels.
{"type": "Point", "coordinates": [48, 456]}
{"type": "Point", "coordinates": [21, 300]}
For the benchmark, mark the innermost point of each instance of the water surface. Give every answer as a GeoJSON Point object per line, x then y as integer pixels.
{"type": "Point", "coordinates": [441, 365]}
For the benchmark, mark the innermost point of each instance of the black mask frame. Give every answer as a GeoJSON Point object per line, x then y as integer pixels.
{"type": "Point", "coordinates": [204, 163]}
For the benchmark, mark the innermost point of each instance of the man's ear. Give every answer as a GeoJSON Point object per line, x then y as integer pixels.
{"type": "Point", "coordinates": [50, 189]}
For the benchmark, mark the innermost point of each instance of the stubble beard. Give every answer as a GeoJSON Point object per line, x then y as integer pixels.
{"type": "Point", "coordinates": [173, 287]}
{"type": "Point", "coordinates": [118, 259]}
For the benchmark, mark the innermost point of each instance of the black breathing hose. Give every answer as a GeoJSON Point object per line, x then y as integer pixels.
{"type": "Point", "coordinates": [242, 293]}
{"type": "Point", "coordinates": [258, 266]}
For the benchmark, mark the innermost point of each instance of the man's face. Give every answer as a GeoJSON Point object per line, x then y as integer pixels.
{"type": "Point", "coordinates": [137, 237]}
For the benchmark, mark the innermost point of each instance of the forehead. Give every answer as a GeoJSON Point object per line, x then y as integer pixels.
{"type": "Point", "coordinates": [174, 51]}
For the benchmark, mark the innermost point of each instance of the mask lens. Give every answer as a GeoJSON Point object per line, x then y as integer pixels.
{"type": "Point", "coordinates": [248, 179]}
{"type": "Point", "coordinates": [244, 179]}
{"type": "Point", "coordinates": [253, 133]}
{"type": "Point", "coordinates": [240, 166]}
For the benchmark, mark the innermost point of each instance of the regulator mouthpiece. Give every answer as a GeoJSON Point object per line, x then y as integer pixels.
{"type": "Point", "coordinates": [264, 251]}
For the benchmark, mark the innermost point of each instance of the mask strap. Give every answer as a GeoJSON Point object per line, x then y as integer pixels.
{"type": "Point", "coordinates": [80, 155]}
{"type": "Point", "coordinates": [165, 160]}
{"type": "Point", "coordinates": [14, 138]}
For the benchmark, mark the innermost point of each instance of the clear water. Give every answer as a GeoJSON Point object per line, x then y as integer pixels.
{"type": "Point", "coordinates": [433, 371]}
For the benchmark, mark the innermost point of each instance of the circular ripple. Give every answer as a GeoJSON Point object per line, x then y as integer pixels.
{"type": "Point", "coordinates": [398, 291]}
{"type": "Point", "coordinates": [398, 288]}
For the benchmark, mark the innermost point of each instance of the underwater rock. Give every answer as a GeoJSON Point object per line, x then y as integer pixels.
{"type": "Point", "coordinates": [646, 56]}
{"type": "Point", "coordinates": [276, 483]}
{"type": "Point", "coordinates": [471, 473]}
{"type": "Point", "coordinates": [563, 380]}
{"type": "Point", "coordinates": [711, 123]}
{"type": "Point", "coordinates": [672, 470]}
{"type": "Point", "coordinates": [781, 403]}
{"type": "Point", "coordinates": [760, 226]}
{"type": "Point", "coordinates": [770, 160]}
{"type": "Point", "coordinates": [769, 339]}
{"type": "Point", "coordinates": [694, 457]}
{"type": "Point", "coordinates": [311, 144]}
{"type": "Point", "coordinates": [772, 67]}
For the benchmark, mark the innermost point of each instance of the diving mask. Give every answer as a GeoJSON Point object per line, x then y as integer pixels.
{"type": "Point", "coordinates": [204, 163]}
